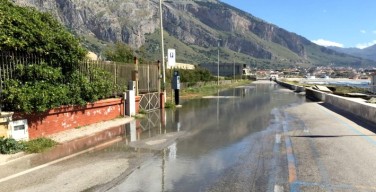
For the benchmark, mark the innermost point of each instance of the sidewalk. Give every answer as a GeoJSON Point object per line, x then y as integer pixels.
{"type": "Point", "coordinates": [329, 150]}
{"type": "Point", "coordinates": [72, 134]}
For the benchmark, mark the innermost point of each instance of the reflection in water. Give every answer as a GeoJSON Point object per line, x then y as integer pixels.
{"type": "Point", "coordinates": [217, 130]}
{"type": "Point", "coordinates": [62, 150]}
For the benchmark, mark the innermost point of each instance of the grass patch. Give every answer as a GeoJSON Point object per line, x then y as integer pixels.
{"type": "Point", "coordinates": [142, 111]}
{"type": "Point", "coordinates": [39, 145]}
{"type": "Point", "coordinates": [170, 105]}
{"type": "Point", "coordinates": [343, 90]}
{"type": "Point", "coordinates": [194, 92]}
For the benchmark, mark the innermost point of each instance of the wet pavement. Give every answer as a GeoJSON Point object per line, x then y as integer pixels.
{"type": "Point", "coordinates": [225, 142]}
{"type": "Point", "coordinates": [259, 137]}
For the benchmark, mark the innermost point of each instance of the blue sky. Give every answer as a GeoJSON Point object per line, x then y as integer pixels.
{"type": "Point", "coordinates": [343, 23]}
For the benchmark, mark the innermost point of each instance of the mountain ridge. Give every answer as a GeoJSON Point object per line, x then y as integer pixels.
{"type": "Point", "coordinates": [366, 53]}
{"type": "Point", "coordinates": [192, 28]}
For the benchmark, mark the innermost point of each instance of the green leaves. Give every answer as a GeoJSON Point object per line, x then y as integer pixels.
{"type": "Point", "coordinates": [27, 30]}
{"type": "Point", "coordinates": [39, 145]}
{"type": "Point", "coordinates": [38, 88]}
{"type": "Point", "coordinates": [10, 146]}
{"type": "Point", "coordinates": [120, 52]}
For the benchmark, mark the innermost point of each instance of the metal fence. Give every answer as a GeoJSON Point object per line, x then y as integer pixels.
{"type": "Point", "coordinates": [9, 61]}
{"type": "Point", "coordinates": [148, 74]}
{"type": "Point", "coordinates": [122, 73]}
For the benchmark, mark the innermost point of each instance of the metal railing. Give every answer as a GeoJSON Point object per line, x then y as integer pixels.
{"type": "Point", "coordinates": [148, 74]}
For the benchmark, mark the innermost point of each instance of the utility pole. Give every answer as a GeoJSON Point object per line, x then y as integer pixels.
{"type": "Point", "coordinates": [218, 64]}
{"type": "Point", "coordinates": [163, 54]}
{"type": "Point", "coordinates": [234, 68]}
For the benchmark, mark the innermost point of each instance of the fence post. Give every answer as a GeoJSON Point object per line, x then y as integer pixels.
{"type": "Point", "coordinates": [1, 88]}
{"type": "Point", "coordinates": [159, 80]}
{"type": "Point", "coordinates": [135, 74]}
{"type": "Point", "coordinates": [148, 78]}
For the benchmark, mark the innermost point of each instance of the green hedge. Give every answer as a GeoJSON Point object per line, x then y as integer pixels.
{"type": "Point", "coordinates": [49, 88]}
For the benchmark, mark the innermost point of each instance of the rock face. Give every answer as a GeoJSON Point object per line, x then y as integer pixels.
{"type": "Point", "coordinates": [130, 20]}
{"type": "Point", "coordinates": [197, 23]}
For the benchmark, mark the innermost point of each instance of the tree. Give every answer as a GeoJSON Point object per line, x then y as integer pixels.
{"type": "Point", "coordinates": [29, 31]}
{"type": "Point", "coordinates": [37, 87]}
{"type": "Point", "coordinates": [120, 52]}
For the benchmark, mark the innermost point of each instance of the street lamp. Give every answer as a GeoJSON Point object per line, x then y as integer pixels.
{"type": "Point", "coordinates": [218, 63]}
{"type": "Point", "coordinates": [234, 68]}
{"type": "Point", "coordinates": [163, 55]}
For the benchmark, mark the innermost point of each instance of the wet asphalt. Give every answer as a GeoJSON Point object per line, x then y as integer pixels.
{"type": "Point", "coordinates": [259, 137]}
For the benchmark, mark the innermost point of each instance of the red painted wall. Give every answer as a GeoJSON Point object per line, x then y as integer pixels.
{"type": "Point", "coordinates": [69, 117]}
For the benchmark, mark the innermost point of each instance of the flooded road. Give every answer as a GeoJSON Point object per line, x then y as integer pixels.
{"type": "Point", "coordinates": [259, 137]}
{"type": "Point", "coordinates": [227, 143]}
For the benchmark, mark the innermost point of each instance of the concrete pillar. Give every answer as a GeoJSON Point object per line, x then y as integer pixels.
{"type": "Point", "coordinates": [5, 119]}
{"type": "Point", "coordinates": [131, 103]}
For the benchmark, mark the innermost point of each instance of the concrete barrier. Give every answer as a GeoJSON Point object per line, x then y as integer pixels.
{"type": "Point", "coordinates": [362, 110]}
{"type": "Point", "coordinates": [315, 95]}
{"type": "Point", "coordinates": [293, 87]}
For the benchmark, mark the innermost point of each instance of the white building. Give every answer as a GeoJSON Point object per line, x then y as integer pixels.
{"type": "Point", "coordinates": [183, 66]}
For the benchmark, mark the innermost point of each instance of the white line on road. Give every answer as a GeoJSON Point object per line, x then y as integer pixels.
{"type": "Point", "coordinates": [278, 188]}
{"type": "Point", "coordinates": [58, 160]}
{"type": "Point", "coordinates": [278, 138]}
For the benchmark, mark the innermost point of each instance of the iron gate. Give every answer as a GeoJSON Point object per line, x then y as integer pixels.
{"type": "Point", "coordinates": [150, 101]}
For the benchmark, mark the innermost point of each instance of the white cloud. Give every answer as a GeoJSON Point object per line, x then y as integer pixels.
{"type": "Point", "coordinates": [363, 31]}
{"type": "Point", "coordinates": [374, 31]}
{"type": "Point", "coordinates": [365, 45]}
{"type": "Point", "coordinates": [327, 43]}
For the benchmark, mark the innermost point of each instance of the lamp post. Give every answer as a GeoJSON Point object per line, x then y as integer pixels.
{"type": "Point", "coordinates": [218, 64]}
{"type": "Point", "coordinates": [234, 67]}
{"type": "Point", "coordinates": [163, 54]}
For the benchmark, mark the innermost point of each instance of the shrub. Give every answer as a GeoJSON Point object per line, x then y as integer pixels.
{"type": "Point", "coordinates": [48, 90]}
{"type": "Point", "coordinates": [10, 146]}
{"type": "Point", "coordinates": [26, 30]}
{"type": "Point", "coordinates": [192, 76]}
{"type": "Point", "coordinates": [39, 145]}
{"type": "Point", "coordinates": [169, 105]}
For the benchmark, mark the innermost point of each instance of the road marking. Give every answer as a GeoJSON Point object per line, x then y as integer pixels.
{"type": "Point", "coordinates": [59, 160]}
{"type": "Point", "coordinates": [291, 162]}
{"type": "Point", "coordinates": [278, 138]}
{"type": "Point", "coordinates": [278, 188]}
{"type": "Point", "coordinates": [336, 186]}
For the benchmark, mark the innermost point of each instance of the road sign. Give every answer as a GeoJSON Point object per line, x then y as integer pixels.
{"type": "Point", "coordinates": [171, 58]}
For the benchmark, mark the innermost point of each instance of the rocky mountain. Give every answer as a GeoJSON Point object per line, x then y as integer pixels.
{"type": "Point", "coordinates": [366, 53]}
{"type": "Point", "coordinates": [193, 28]}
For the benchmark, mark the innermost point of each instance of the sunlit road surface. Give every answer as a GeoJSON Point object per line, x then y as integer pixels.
{"type": "Point", "coordinates": [330, 152]}
{"type": "Point", "coordinates": [254, 138]}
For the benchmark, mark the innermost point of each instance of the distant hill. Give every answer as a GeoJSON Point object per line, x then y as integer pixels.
{"type": "Point", "coordinates": [366, 53]}
{"type": "Point", "coordinates": [192, 28]}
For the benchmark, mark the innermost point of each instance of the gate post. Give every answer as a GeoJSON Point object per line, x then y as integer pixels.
{"type": "Point", "coordinates": [135, 74]}
{"type": "Point", "coordinates": [161, 100]}
{"type": "Point", "coordinates": [131, 99]}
